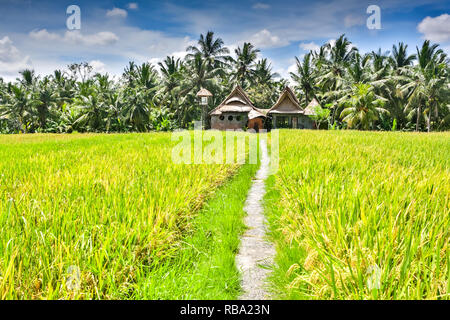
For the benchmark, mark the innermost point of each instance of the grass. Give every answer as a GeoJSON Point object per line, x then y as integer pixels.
{"type": "Point", "coordinates": [361, 215]}
{"type": "Point", "coordinates": [205, 266]}
{"type": "Point", "coordinates": [110, 210]}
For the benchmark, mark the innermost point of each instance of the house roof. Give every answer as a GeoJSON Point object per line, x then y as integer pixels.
{"type": "Point", "coordinates": [237, 101]}
{"type": "Point", "coordinates": [204, 93]}
{"type": "Point", "coordinates": [310, 109]}
{"type": "Point", "coordinates": [255, 114]}
{"type": "Point", "coordinates": [286, 103]}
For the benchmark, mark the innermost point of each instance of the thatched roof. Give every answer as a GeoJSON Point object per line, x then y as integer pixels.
{"type": "Point", "coordinates": [237, 101]}
{"type": "Point", "coordinates": [255, 114]}
{"type": "Point", "coordinates": [204, 93]}
{"type": "Point", "coordinates": [287, 103]}
{"type": "Point", "coordinates": [310, 110]}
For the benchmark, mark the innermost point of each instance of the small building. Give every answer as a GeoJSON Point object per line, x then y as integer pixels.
{"type": "Point", "coordinates": [287, 112]}
{"type": "Point", "coordinates": [237, 112]}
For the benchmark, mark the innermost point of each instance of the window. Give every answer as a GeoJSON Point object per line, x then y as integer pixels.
{"type": "Point", "coordinates": [238, 118]}
{"type": "Point", "coordinates": [282, 122]}
{"type": "Point", "coordinates": [221, 118]}
{"type": "Point", "coordinates": [230, 118]}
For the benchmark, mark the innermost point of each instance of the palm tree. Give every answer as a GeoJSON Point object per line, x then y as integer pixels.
{"type": "Point", "coordinates": [245, 63]}
{"type": "Point", "coordinates": [171, 76]}
{"type": "Point", "coordinates": [399, 57]}
{"type": "Point", "coordinates": [137, 109]}
{"type": "Point", "coordinates": [263, 72]}
{"type": "Point", "coordinates": [426, 82]}
{"type": "Point", "coordinates": [19, 107]}
{"type": "Point", "coordinates": [64, 86]}
{"type": "Point", "coordinates": [359, 69]}
{"type": "Point", "coordinates": [29, 78]}
{"type": "Point", "coordinates": [363, 108]}
{"type": "Point", "coordinates": [380, 64]}
{"type": "Point", "coordinates": [305, 77]}
{"type": "Point", "coordinates": [146, 76]}
{"type": "Point", "coordinates": [197, 75]}
{"type": "Point", "coordinates": [47, 98]}
{"type": "Point", "coordinates": [210, 49]}
{"type": "Point", "coordinates": [340, 55]}
{"type": "Point", "coordinates": [93, 114]}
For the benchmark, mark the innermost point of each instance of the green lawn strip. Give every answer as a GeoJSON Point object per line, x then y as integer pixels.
{"type": "Point", "coordinates": [204, 267]}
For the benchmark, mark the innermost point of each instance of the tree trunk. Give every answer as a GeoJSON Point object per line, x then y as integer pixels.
{"type": "Point", "coordinates": [419, 109]}
{"type": "Point", "coordinates": [429, 120]}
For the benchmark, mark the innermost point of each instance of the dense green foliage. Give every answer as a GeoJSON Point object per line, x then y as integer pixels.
{"type": "Point", "coordinates": [410, 90]}
{"type": "Point", "coordinates": [361, 215]}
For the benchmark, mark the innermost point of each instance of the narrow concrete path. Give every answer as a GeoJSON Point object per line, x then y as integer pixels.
{"type": "Point", "coordinates": [255, 253]}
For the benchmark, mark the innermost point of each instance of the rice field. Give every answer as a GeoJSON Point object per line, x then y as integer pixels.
{"type": "Point", "coordinates": [90, 216]}
{"type": "Point", "coordinates": [353, 215]}
{"type": "Point", "coordinates": [361, 215]}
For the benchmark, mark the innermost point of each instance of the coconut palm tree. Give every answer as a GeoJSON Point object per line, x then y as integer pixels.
{"type": "Point", "coordinates": [340, 54]}
{"type": "Point", "coordinates": [197, 75]}
{"type": "Point", "coordinates": [47, 98]}
{"type": "Point", "coordinates": [19, 106]}
{"type": "Point", "coordinates": [363, 108]}
{"type": "Point", "coordinates": [263, 72]}
{"type": "Point", "coordinates": [171, 75]}
{"type": "Point", "coordinates": [425, 82]}
{"type": "Point", "coordinates": [399, 57]}
{"type": "Point", "coordinates": [244, 64]}
{"type": "Point", "coordinates": [210, 49]}
{"type": "Point", "coordinates": [380, 64]}
{"type": "Point", "coordinates": [305, 77]}
{"type": "Point", "coordinates": [28, 78]}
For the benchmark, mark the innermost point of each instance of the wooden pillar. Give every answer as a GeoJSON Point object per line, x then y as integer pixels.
{"type": "Point", "coordinates": [274, 122]}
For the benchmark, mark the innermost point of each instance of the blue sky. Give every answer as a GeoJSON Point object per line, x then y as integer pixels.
{"type": "Point", "coordinates": [33, 34]}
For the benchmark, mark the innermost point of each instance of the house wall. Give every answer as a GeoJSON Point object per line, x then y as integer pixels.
{"type": "Point", "coordinates": [256, 124]}
{"type": "Point", "coordinates": [303, 122]}
{"type": "Point", "coordinates": [223, 124]}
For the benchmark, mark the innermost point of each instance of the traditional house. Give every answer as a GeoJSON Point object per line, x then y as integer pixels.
{"type": "Point", "coordinates": [237, 112]}
{"type": "Point", "coordinates": [287, 112]}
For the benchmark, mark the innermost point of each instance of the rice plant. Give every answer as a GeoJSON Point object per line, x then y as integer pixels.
{"type": "Point", "coordinates": [87, 216]}
{"type": "Point", "coordinates": [361, 215]}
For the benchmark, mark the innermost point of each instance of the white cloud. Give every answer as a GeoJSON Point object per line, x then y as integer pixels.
{"type": "Point", "coordinates": [292, 68]}
{"type": "Point", "coordinates": [435, 29]}
{"type": "Point", "coordinates": [265, 39]}
{"type": "Point", "coordinates": [260, 5]}
{"type": "Point", "coordinates": [44, 35]}
{"type": "Point", "coordinates": [309, 46]}
{"type": "Point", "coordinates": [98, 66]}
{"type": "Point", "coordinates": [133, 6]}
{"type": "Point", "coordinates": [76, 37]}
{"type": "Point", "coordinates": [11, 59]}
{"type": "Point", "coordinates": [117, 12]}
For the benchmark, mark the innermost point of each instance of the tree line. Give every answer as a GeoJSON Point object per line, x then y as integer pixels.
{"type": "Point", "coordinates": [373, 91]}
